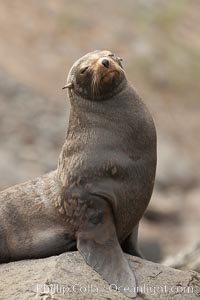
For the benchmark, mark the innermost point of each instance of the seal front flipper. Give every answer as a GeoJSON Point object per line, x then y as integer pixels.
{"type": "Point", "coordinates": [98, 243]}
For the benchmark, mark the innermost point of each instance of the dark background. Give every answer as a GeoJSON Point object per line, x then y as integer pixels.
{"type": "Point", "coordinates": [160, 44]}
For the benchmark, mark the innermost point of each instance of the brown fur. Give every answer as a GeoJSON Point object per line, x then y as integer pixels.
{"type": "Point", "coordinates": [103, 183]}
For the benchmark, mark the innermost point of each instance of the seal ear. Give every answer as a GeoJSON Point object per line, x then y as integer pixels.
{"type": "Point", "coordinates": [68, 86]}
{"type": "Point", "coordinates": [98, 244]}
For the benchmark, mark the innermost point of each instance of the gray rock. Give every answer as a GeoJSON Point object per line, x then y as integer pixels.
{"type": "Point", "coordinates": [68, 277]}
{"type": "Point", "coordinates": [188, 259]}
{"type": "Point", "coordinates": [32, 130]}
{"type": "Point", "coordinates": [174, 168]}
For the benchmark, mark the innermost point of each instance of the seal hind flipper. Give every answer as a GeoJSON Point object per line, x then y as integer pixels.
{"type": "Point", "coordinates": [130, 244]}
{"type": "Point", "coordinates": [98, 243]}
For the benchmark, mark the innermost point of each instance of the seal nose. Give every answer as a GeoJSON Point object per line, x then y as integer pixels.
{"type": "Point", "coordinates": [105, 63]}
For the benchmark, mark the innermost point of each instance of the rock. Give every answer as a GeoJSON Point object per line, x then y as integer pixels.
{"type": "Point", "coordinates": [68, 277]}
{"type": "Point", "coordinates": [174, 168]}
{"type": "Point", "coordinates": [188, 259]}
{"type": "Point", "coordinates": [164, 207]}
{"type": "Point", "coordinates": [32, 130]}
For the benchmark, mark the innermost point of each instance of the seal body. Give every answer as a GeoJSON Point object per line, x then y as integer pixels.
{"type": "Point", "coordinates": [110, 148]}
{"type": "Point", "coordinates": [30, 224]}
{"type": "Point", "coordinates": [107, 164]}
{"type": "Point", "coordinates": [103, 183]}
{"type": "Point", "coordinates": [111, 151]}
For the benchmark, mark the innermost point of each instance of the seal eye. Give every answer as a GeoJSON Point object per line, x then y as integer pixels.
{"type": "Point", "coordinates": [83, 70]}
{"type": "Point", "coordinates": [119, 60]}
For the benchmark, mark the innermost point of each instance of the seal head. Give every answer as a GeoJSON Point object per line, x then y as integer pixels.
{"type": "Point", "coordinates": [98, 75]}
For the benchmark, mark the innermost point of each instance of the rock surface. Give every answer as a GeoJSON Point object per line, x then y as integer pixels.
{"type": "Point", "coordinates": [68, 277]}
{"type": "Point", "coordinates": [185, 260]}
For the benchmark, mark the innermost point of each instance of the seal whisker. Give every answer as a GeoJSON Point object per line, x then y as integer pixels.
{"type": "Point", "coordinates": [95, 90]}
{"type": "Point", "coordinates": [93, 85]}
{"type": "Point", "coordinates": [96, 86]}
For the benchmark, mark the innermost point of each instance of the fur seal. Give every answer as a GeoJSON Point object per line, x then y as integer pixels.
{"type": "Point", "coordinates": [103, 183]}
